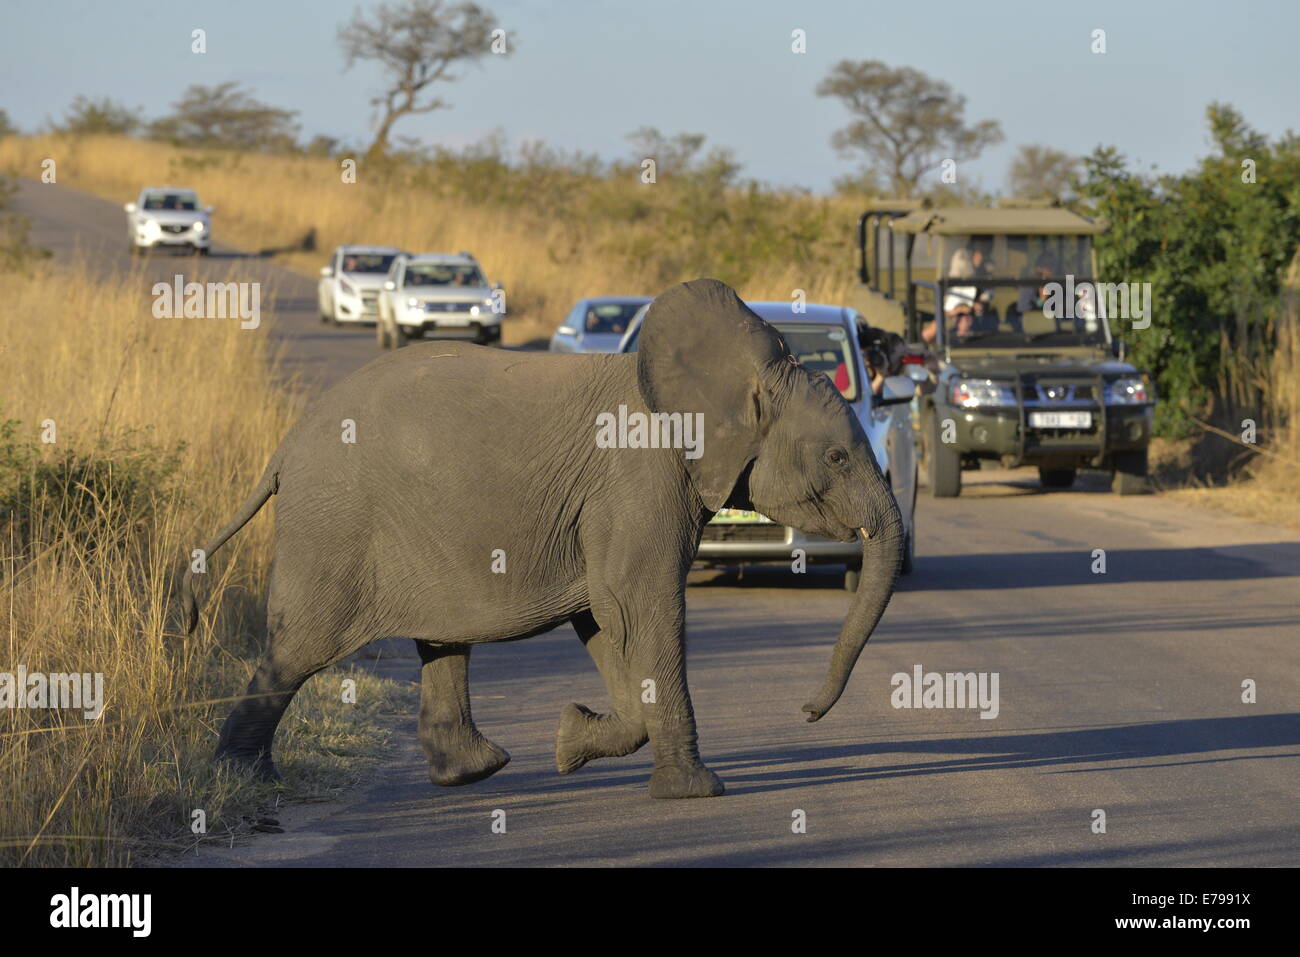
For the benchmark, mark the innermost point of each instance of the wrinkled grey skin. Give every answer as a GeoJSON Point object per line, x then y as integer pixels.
{"type": "Point", "coordinates": [461, 450]}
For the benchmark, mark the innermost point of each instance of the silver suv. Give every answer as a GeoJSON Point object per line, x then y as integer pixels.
{"type": "Point", "coordinates": [438, 296]}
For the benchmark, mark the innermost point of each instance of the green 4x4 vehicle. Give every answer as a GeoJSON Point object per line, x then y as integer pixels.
{"type": "Point", "coordinates": [1020, 367]}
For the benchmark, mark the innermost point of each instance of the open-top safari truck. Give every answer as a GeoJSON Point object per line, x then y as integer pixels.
{"type": "Point", "coordinates": [1002, 307]}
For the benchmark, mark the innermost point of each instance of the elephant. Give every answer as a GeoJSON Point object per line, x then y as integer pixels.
{"type": "Point", "coordinates": [474, 504]}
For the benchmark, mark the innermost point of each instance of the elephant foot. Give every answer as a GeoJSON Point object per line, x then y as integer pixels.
{"type": "Point", "coordinates": [690, 781]}
{"type": "Point", "coordinates": [256, 763]}
{"type": "Point", "coordinates": [571, 739]}
{"type": "Point", "coordinates": [584, 735]}
{"type": "Point", "coordinates": [473, 760]}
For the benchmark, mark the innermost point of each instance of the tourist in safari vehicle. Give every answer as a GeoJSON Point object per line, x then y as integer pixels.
{"type": "Point", "coordinates": [1004, 307]}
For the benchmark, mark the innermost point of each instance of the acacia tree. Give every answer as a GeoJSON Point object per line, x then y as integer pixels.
{"type": "Point", "coordinates": [905, 123]}
{"type": "Point", "coordinates": [1040, 172]}
{"type": "Point", "coordinates": [100, 116]}
{"type": "Point", "coordinates": [416, 42]}
{"type": "Point", "coordinates": [226, 116]}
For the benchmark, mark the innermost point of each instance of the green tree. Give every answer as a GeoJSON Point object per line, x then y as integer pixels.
{"type": "Point", "coordinates": [905, 124]}
{"type": "Point", "coordinates": [87, 116]}
{"type": "Point", "coordinates": [1040, 172]}
{"type": "Point", "coordinates": [226, 116]}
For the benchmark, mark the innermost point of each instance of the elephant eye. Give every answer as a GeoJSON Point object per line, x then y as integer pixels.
{"type": "Point", "coordinates": [837, 457]}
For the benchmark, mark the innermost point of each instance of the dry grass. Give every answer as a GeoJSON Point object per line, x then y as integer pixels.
{"type": "Point", "coordinates": [93, 533]}
{"type": "Point", "coordinates": [571, 239]}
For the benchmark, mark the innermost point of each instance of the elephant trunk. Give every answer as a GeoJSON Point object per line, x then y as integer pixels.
{"type": "Point", "coordinates": [882, 556]}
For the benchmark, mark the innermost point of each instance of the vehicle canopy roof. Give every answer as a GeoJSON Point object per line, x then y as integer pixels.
{"type": "Point", "coordinates": [979, 220]}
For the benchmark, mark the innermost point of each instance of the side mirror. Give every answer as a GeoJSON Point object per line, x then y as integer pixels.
{"type": "Point", "coordinates": [389, 285]}
{"type": "Point", "coordinates": [209, 209]}
{"type": "Point", "coordinates": [327, 271]}
{"type": "Point", "coordinates": [129, 207]}
{"type": "Point", "coordinates": [497, 285]}
{"type": "Point", "coordinates": [567, 331]}
{"type": "Point", "coordinates": [897, 390]}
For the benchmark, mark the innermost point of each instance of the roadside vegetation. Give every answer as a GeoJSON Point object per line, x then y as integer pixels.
{"type": "Point", "coordinates": [124, 440]}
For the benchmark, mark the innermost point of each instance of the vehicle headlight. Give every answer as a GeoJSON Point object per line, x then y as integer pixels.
{"type": "Point", "coordinates": [1129, 390]}
{"type": "Point", "coordinates": [347, 287]}
{"type": "Point", "coordinates": [975, 393]}
{"type": "Point", "coordinates": [151, 226]}
{"type": "Point", "coordinates": [473, 310]}
{"type": "Point", "coordinates": [199, 227]}
{"type": "Point", "coordinates": [413, 303]}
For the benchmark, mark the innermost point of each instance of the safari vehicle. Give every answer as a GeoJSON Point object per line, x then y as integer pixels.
{"type": "Point", "coordinates": [168, 216]}
{"type": "Point", "coordinates": [349, 287]}
{"type": "Point", "coordinates": [438, 296]}
{"type": "Point", "coordinates": [824, 339]}
{"type": "Point", "coordinates": [1023, 367]}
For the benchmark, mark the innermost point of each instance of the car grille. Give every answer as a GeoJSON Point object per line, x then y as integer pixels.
{"type": "Point", "coordinates": [718, 532]}
{"type": "Point", "coordinates": [174, 228]}
{"type": "Point", "coordinates": [448, 306]}
{"type": "Point", "coordinates": [370, 302]}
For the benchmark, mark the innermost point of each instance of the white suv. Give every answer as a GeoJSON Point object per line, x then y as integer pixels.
{"type": "Point", "coordinates": [168, 216]}
{"type": "Point", "coordinates": [350, 285]}
{"type": "Point", "coordinates": [439, 296]}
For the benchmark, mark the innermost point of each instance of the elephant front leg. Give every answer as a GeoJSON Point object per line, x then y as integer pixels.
{"type": "Point", "coordinates": [583, 734]}
{"type": "Point", "coordinates": [658, 669]}
{"type": "Point", "coordinates": [457, 752]}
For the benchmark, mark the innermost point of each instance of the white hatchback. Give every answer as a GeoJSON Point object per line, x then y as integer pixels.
{"type": "Point", "coordinates": [168, 216]}
{"type": "Point", "coordinates": [349, 287]}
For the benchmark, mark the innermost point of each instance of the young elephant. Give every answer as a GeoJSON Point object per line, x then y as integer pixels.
{"type": "Point", "coordinates": [461, 451]}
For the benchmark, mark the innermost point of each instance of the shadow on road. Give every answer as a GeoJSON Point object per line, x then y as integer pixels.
{"type": "Point", "coordinates": [1047, 569]}
{"type": "Point", "coordinates": [1190, 740]}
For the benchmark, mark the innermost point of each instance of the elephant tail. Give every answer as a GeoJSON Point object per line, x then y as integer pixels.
{"type": "Point", "coordinates": [268, 486]}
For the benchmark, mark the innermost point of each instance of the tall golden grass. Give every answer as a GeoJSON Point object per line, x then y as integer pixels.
{"type": "Point", "coordinates": [547, 252]}
{"type": "Point", "coordinates": [89, 571]}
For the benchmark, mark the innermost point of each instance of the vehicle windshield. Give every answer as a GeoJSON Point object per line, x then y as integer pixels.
{"type": "Point", "coordinates": [177, 202]}
{"type": "Point", "coordinates": [1013, 315]}
{"type": "Point", "coordinates": [368, 262]}
{"type": "Point", "coordinates": [1016, 257]}
{"type": "Point", "coordinates": [444, 274]}
{"type": "Point", "coordinates": [609, 317]}
{"type": "Point", "coordinates": [824, 348]}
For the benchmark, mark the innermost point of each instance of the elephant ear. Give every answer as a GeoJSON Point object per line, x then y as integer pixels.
{"type": "Point", "coordinates": [703, 350]}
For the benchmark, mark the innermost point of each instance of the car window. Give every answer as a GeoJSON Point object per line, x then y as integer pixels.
{"type": "Point", "coordinates": [371, 263]}
{"type": "Point", "coordinates": [444, 274]}
{"type": "Point", "coordinates": [825, 348]}
{"type": "Point", "coordinates": [611, 318]}
{"type": "Point", "coordinates": [169, 202]}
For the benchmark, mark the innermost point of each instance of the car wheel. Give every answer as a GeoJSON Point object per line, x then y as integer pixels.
{"type": "Point", "coordinates": [909, 555]}
{"type": "Point", "coordinates": [944, 463]}
{"type": "Point", "coordinates": [852, 576]}
{"type": "Point", "coordinates": [399, 336]}
{"type": "Point", "coordinates": [1056, 478]}
{"type": "Point", "coordinates": [1130, 476]}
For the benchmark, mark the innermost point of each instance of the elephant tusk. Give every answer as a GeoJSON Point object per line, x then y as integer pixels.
{"type": "Point", "coordinates": [865, 534]}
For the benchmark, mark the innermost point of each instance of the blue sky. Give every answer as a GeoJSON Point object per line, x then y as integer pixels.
{"type": "Point", "coordinates": [585, 73]}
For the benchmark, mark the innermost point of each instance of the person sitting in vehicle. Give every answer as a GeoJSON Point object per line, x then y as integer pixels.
{"type": "Point", "coordinates": [959, 311]}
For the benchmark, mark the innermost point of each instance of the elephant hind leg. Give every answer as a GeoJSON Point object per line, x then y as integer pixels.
{"type": "Point", "coordinates": [249, 730]}
{"type": "Point", "coordinates": [457, 752]}
{"type": "Point", "coordinates": [583, 734]}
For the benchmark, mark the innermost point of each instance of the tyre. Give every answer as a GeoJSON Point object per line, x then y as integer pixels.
{"type": "Point", "coordinates": [1056, 478]}
{"type": "Point", "coordinates": [943, 463]}
{"type": "Point", "coordinates": [852, 576]}
{"type": "Point", "coordinates": [909, 555]}
{"type": "Point", "coordinates": [1130, 475]}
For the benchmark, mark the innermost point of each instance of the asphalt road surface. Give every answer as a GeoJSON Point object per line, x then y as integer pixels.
{"type": "Point", "coordinates": [1118, 692]}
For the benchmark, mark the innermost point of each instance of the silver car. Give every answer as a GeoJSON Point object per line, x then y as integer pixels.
{"type": "Point", "coordinates": [823, 338]}
{"type": "Point", "coordinates": [597, 324]}
{"type": "Point", "coordinates": [349, 287]}
{"type": "Point", "coordinates": [438, 296]}
{"type": "Point", "coordinates": [168, 216]}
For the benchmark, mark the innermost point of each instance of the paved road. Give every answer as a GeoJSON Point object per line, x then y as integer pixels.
{"type": "Point", "coordinates": [1118, 691]}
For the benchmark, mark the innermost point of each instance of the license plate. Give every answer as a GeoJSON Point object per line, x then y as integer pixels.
{"type": "Point", "coordinates": [1060, 420]}
{"type": "Point", "coordinates": [738, 516]}
{"type": "Point", "coordinates": [449, 321]}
